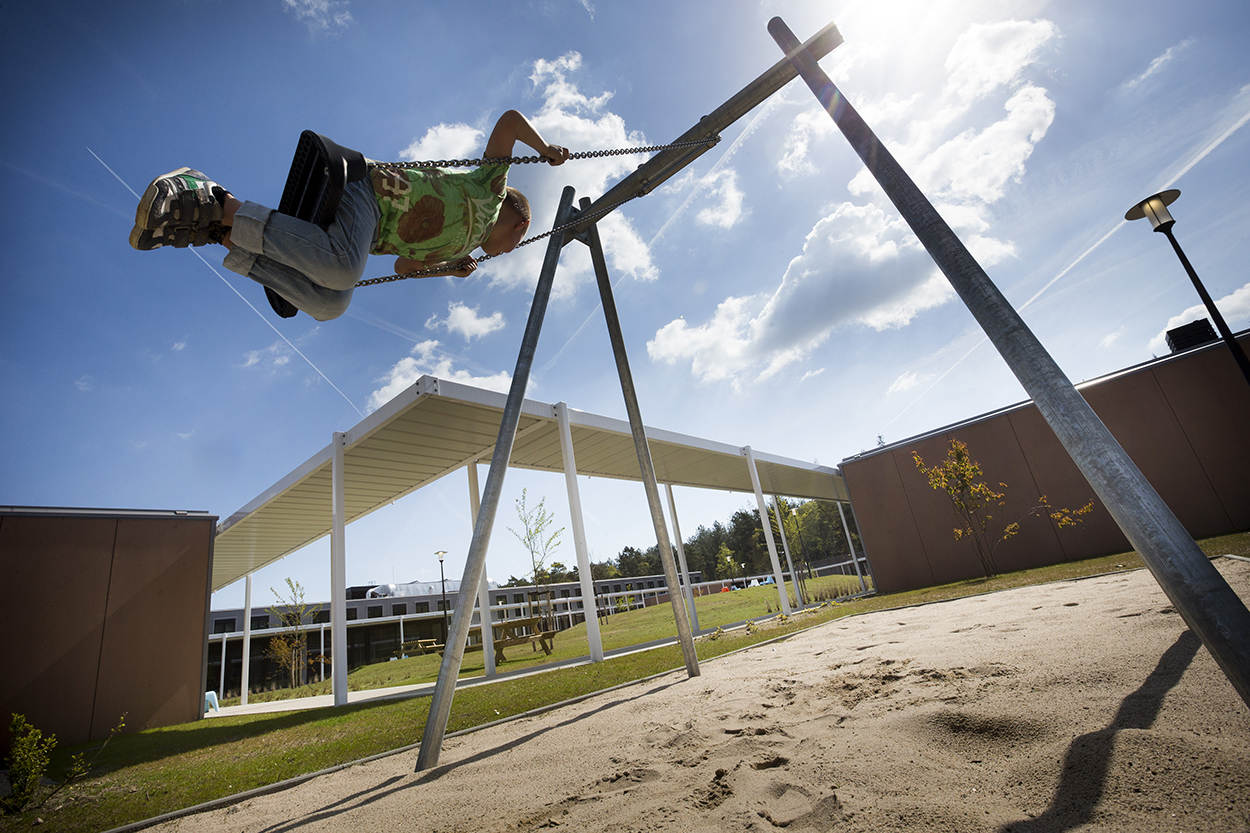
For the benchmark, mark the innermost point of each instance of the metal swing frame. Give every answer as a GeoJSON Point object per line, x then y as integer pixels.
{"type": "Point", "coordinates": [580, 224]}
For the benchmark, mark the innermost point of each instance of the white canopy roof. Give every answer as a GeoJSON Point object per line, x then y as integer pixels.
{"type": "Point", "coordinates": [437, 427]}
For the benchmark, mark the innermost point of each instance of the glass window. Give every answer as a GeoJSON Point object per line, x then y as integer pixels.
{"type": "Point", "coordinates": [223, 626]}
{"type": "Point", "coordinates": [443, 605]}
{"type": "Point", "coordinates": [399, 610]}
{"type": "Point", "coordinates": [322, 616]}
{"type": "Point", "coordinates": [375, 612]}
{"type": "Point", "coordinates": [352, 613]}
{"type": "Point", "coordinates": [421, 607]}
{"type": "Point", "coordinates": [260, 622]}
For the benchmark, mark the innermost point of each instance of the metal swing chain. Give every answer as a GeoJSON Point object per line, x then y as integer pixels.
{"type": "Point", "coordinates": [581, 219]}
{"type": "Point", "coordinates": [526, 160]}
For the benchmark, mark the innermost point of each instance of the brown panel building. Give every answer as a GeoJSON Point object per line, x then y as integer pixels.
{"type": "Point", "coordinates": [103, 612]}
{"type": "Point", "coordinates": [1184, 419]}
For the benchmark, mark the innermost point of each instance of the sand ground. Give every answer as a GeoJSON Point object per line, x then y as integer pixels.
{"type": "Point", "coordinates": [1082, 705]}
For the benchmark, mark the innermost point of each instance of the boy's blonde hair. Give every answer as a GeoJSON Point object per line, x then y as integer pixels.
{"type": "Point", "coordinates": [519, 203]}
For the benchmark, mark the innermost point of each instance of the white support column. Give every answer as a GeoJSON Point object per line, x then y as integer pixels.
{"type": "Point", "coordinates": [221, 685]}
{"type": "Point", "coordinates": [681, 559]}
{"type": "Point", "coordinates": [593, 638]}
{"type": "Point", "coordinates": [785, 547]}
{"type": "Point", "coordinates": [483, 587]}
{"type": "Point", "coordinates": [854, 558]}
{"type": "Point", "coordinates": [247, 637]}
{"type": "Point", "coordinates": [401, 636]}
{"type": "Point", "coordinates": [768, 531]}
{"type": "Point", "coordinates": [323, 652]}
{"type": "Point", "coordinates": [338, 576]}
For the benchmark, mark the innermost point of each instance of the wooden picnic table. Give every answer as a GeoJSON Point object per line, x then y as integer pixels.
{"type": "Point", "coordinates": [511, 632]}
{"type": "Point", "coordinates": [417, 646]}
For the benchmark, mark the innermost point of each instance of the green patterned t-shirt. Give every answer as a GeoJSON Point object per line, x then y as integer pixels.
{"type": "Point", "coordinates": [431, 215]}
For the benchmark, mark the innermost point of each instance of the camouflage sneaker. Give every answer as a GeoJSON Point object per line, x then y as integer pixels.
{"type": "Point", "coordinates": [181, 208]}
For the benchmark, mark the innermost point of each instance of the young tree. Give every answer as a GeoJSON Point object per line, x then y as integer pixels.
{"type": "Point", "coordinates": [726, 566]}
{"type": "Point", "coordinates": [289, 648]}
{"type": "Point", "coordinates": [976, 502]}
{"type": "Point", "coordinates": [536, 535]}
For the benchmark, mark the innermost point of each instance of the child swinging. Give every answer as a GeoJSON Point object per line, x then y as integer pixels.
{"type": "Point", "coordinates": [429, 218]}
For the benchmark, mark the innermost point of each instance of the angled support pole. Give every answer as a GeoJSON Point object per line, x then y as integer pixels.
{"type": "Point", "coordinates": [483, 590]}
{"type": "Point", "coordinates": [594, 641]}
{"type": "Point", "coordinates": [640, 446]}
{"type": "Point", "coordinates": [846, 530]}
{"type": "Point", "coordinates": [475, 563]}
{"type": "Point", "coordinates": [681, 559]}
{"type": "Point", "coordinates": [1197, 590]}
{"type": "Point", "coordinates": [768, 531]}
{"type": "Point", "coordinates": [799, 590]}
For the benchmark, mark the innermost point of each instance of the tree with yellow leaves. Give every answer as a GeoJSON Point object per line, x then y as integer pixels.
{"type": "Point", "coordinates": [976, 502]}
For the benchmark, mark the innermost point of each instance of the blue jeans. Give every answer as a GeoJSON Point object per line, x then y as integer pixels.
{"type": "Point", "coordinates": [313, 268]}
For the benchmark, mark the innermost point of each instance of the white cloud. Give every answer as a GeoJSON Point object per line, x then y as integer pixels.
{"type": "Point", "coordinates": [809, 124]}
{"type": "Point", "coordinates": [321, 15]}
{"type": "Point", "coordinates": [84, 383]}
{"type": "Point", "coordinates": [990, 55]}
{"type": "Point", "coordinates": [727, 207]}
{"type": "Point", "coordinates": [186, 435]}
{"type": "Point", "coordinates": [906, 381]}
{"type": "Point", "coordinates": [860, 264]}
{"type": "Point", "coordinates": [976, 166]}
{"type": "Point", "coordinates": [1235, 307]}
{"type": "Point", "coordinates": [446, 141]}
{"type": "Point", "coordinates": [1158, 63]}
{"type": "Point", "coordinates": [716, 350]}
{"type": "Point", "coordinates": [276, 355]}
{"type": "Point", "coordinates": [1110, 338]}
{"type": "Point", "coordinates": [464, 320]}
{"type": "Point", "coordinates": [427, 359]}
{"type": "Point", "coordinates": [178, 346]}
{"type": "Point", "coordinates": [811, 374]}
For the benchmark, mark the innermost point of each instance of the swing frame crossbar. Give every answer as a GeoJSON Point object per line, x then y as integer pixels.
{"type": "Point", "coordinates": [574, 224]}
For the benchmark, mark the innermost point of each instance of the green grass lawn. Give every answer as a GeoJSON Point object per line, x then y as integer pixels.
{"type": "Point", "coordinates": [620, 630]}
{"type": "Point", "coordinates": [159, 770]}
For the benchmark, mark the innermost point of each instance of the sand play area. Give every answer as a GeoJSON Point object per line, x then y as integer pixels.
{"type": "Point", "coordinates": [1082, 705]}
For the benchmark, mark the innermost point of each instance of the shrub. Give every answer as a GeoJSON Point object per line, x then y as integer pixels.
{"type": "Point", "coordinates": [28, 762]}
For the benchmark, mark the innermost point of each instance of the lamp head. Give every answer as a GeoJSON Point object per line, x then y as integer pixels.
{"type": "Point", "coordinates": [1155, 207]}
{"type": "Point", "coordinates": [440, 555]}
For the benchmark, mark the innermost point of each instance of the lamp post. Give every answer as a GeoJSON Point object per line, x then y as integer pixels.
{"type": "Point", "coordinates": [443, 578]}
{"type": "Point", "coordinates": [1155, 207]}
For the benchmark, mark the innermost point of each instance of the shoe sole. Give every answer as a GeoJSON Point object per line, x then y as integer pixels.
{"type": "Point", "coordinates": [144, 211]}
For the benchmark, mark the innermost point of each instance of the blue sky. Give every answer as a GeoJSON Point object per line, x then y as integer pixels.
{"type": "Point", "coordinates": [769, 294]}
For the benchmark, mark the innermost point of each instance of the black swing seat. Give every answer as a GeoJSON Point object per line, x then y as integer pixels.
{"type": "Point", "coordinates": [320, 170]}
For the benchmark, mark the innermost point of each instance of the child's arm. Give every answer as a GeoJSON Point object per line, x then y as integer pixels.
{"type": "Point", "coordinates": [461, 269]}
{"type": "Point", "coordinates": [513, 127]}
